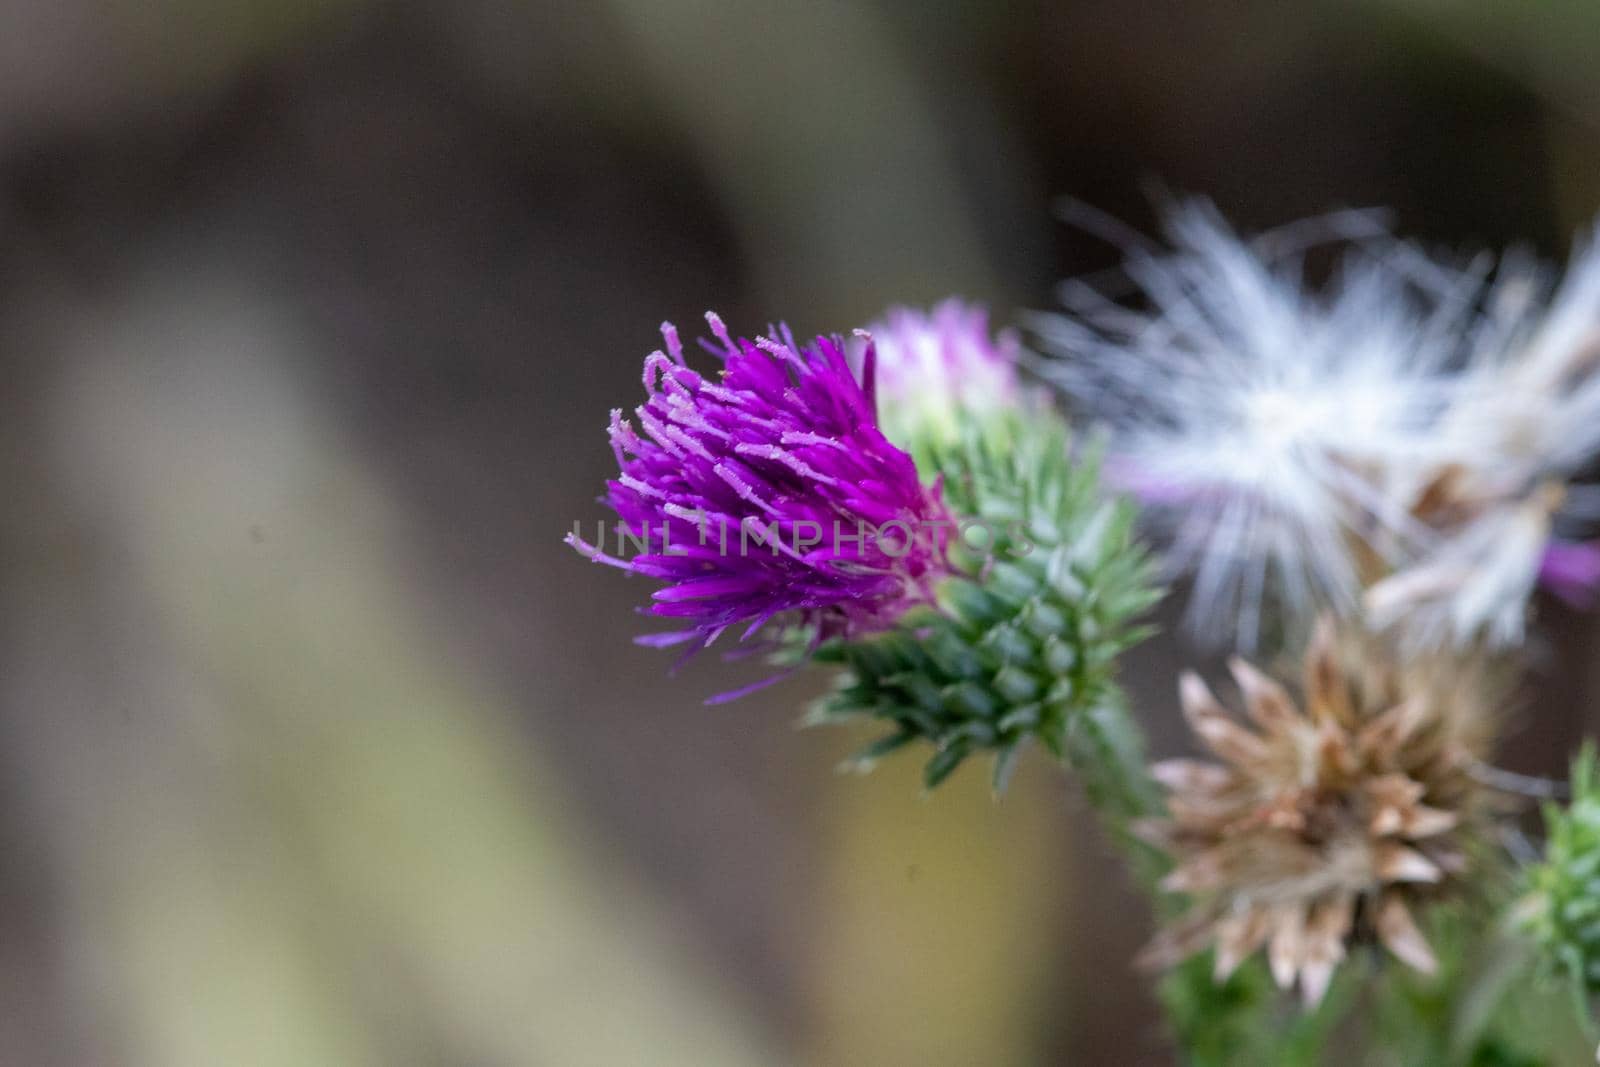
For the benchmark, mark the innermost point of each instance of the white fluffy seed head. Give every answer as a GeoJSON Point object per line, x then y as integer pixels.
{"type": "Point", "coordinates": [1285, 439]}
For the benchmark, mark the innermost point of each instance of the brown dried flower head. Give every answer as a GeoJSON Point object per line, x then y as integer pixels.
{"type": "Point", "coordinates": [1325, 825]}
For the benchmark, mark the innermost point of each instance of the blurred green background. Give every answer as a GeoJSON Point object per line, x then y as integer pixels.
{"type": "Point", "coordinates": [320, 749]}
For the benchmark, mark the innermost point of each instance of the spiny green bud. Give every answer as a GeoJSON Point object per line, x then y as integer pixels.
{"type": "Point", "coordinates": [1021, 642]}
{"type": "Point", "coordinates": [1561, 909]}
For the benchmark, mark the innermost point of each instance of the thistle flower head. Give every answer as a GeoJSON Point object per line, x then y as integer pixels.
{"type": "Point", "coordinates": [1393, 446]}
{"type": "Point", "coordinates": [1247, 413]}
{"type": "Point", "coordinates": [767, 492]}
{"type": "Point", "coordinates": [975, 622]}
{"type": "Point", "coordinates": [1329, 820]}
{"type": "Point", "coordinates": [940, 367]}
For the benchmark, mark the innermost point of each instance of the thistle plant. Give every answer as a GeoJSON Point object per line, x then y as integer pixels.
{"type": "Point", "coordinates": [977, 595]}
{"type": "Point", "coordinates": [1363, 485]}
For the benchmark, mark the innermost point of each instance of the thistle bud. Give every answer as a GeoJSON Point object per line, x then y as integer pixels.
{"type": "Point", "coordinates": [1044, 588]}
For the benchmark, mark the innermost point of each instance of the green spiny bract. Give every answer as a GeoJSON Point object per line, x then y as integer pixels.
{"type": "Point", "coordinates": [1561, 910]}
{"type": "Point", "coordinates": [1022, 642]}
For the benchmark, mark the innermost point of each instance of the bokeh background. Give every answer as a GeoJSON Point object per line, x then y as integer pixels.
{"type": "Point", "coordinates": [318, 748]}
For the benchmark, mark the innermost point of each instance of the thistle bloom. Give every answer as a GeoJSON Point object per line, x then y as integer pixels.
{"type": "Point", "coordinates": [1395, 447]}
{"type": "Point", "coordinates": [1325, 824]}
{"type": "Point", "coordinates": [768, 492]}
{"type": "Point", "coordinates": [938, 366]}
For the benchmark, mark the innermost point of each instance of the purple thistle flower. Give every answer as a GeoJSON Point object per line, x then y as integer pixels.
{"type": "Point", "coordinates": [1571, 570]}
{"type": "Point", "coordinates": [768, 492]}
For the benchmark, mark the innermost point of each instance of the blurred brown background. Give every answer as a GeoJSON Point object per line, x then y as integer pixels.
{"type": "Point", "coordinates": [319, 748]}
